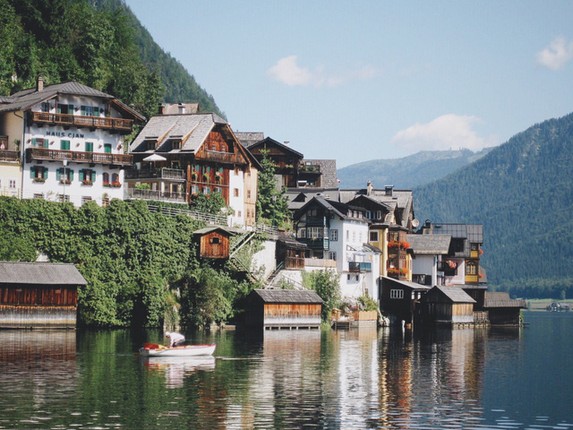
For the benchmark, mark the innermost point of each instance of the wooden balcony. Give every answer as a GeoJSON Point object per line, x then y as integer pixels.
{"type": "Point", "coordinates": [309, 168]}
{"type": "Point", "coordinates": [220, 157]}
{"type": "Point", "coordinates": [120, 125]}
{"type": "Point", "coordinates": [164, 173]}
{"type": "Point", "coordinates": [43, 154]}
{"type": "Point", "coordinates": [9, 156]}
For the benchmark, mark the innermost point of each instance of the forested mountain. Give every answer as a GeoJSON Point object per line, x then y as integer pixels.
{"type": "Point", "coordinates": [99, 43]}
{"type": "Point", "coordinates": [522, 192]}
{"type": "Point", "coordinates": [408, 172]}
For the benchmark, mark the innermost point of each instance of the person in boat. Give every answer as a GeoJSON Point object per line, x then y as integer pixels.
{"type": "Point", "coordinates": [175, 339]}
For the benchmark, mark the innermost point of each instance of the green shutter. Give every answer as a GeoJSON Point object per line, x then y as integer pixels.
{"type": "Point", "coordinates": [81, 175]}
{"type": "Point", "coordinates": [45, 173]}
{"type": "Point", "coordinates": [59, 173]}
{"type": "Point", "coordinates": [93, 176]}
{"type": "Point", "coordinates": [33, 172]}
{"type": "Point", "coordinates": [65, 145]}
{"type": "Point", "coordinates": [89, 147]}
{"type": "Point", "coordinates": [71, 175]}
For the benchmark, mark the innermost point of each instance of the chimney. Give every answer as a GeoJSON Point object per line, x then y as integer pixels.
{"type": "Point", "coordinates": [181, 108]}
{"type": "Point", "coordinates": [40, 84]}
{"type": "Point", "coordinates": [369, 188]}
{"type": "Point", "coordinates": [388, 190]}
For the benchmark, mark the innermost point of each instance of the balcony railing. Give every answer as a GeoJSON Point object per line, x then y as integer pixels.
{"type": "Point", "coordinates": [309, 168]}
{"type": "Point", "coordinates": [116, 124]}
{"type": "Point", "coordinates": [359, 266]}
{"type": "Point", "coordinates": [220, 157]}
{"type": "Point", "coordinates": [11, 156]}
{"type": "Point", "coordinates": [160, 173]}
{"type": "Point", "coordinates": [78, 157]}
{"type": "Point", "coordinates": [155, 195]}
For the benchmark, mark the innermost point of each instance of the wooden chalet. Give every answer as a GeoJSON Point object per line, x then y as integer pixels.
{"type": "Point", "coordinates": [399, 298]}
{"type": "Point", "coordinates": [271, 309]}
{"type": "Point", "coordinates": [214, 242]}
{"type": "Point", "coordinates": [39, 295]}
{"type": "Point", "coordinates": [287, 160]}
{"type": "Point", "coordinates": [290, 252]}
{"type": "Point", "coordinates": [447, 305]}
{"type": "Point", "coordinates": [180, 156]}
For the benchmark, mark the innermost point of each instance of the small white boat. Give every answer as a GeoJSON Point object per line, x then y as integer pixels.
{"type": "Point", "coordinates": [155, 350]}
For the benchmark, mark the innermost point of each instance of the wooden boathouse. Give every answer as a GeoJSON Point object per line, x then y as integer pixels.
{"type": "Point", "coordinates": [39, 295]}
{"type": "Point", "coordinates": [447, 305]}
{"type": "Point", "coordinates": [272, 309]}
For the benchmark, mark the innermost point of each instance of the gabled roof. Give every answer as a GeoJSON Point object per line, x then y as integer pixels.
{"type": "Point", "coordinates": [211, 229]}
{"type": "Point", "coordinates": [455, 294]}
{"type": "Point", "coordinates": [472, 232]}
{"type": "Point", "coordinates": [407, 284]}
{"type": "Point", "coordinates": [336, 208]}
{"type": "Point", "coordinates": [287, 296]}
{"type": "Point", "coordinates": [499, 299]}
{"type": "Point", "coordinates": [40, 274]}
{"type": "Point", "coordinates": [248, 138]}
{"type": "Point", "coordinates": [271, 142]}
{"type": "Point", "coordinates": [191, 129]}
{"type": "Point", "coordinates": [24, 100]}
{"type": "Point", "coordinates": [424, 244]}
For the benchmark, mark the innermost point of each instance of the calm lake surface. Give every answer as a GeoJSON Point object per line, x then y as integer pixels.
{"type": "Point", "coordinates": [367, 379]}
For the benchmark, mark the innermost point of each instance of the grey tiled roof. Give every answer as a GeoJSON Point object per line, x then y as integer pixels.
{"type": "Point", "coordinates": [191, 129]}
{"type": "Point", "coordinates": [328, 178]}
{"type": "Point", "coordinates": [248, 138]}
{"type": "Point", "coordinates": [435, 244]}
{"type": "Point", "coordinates": [456, 294]}
{"type": "Point", "coordinates": [498, 299]}
{"type": "Point", "coordinates": [25, 99]}
{"type": "Point", "coordinates": [288, 296]}
{"type": "Point", "coordinates": [40, 273]}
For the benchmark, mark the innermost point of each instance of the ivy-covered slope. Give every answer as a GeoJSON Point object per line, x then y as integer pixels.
{"type": "Point", "coordinates": [522, 192]}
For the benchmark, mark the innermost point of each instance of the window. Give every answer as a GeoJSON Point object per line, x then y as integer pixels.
{"type": "Point", "coordinates": [332, 255]}
{"type": "Point", "coordinates": [215, 240]}
{"type": "Point", "coordinates": [248, 194]}
{"type": "Point", "coordinates": [334, 234]}
{"type": "Point", "coordinates": [86, 199]}
{"type": "Point", "coordinates": [64, 175]}
{"type": "Point", "coordinates": [63, 198]}
{"type": "Point", "coordinates": [176, 144]}
{"type": "Point", "coordinates": [38, 142]}
{"type": "Point", "coordinates": [38, 196]}
{"type": "Point", "coordinates": [105, 201]}
{"type": "Point", "coordinates": [65, 145]}
{"type": "Point", "coordinates": [90, 111]}
{"type": "Point", "coordinates": [12, 183]}
{"type": "Point", "coordinates": [105, 179]}
{"type": "Point", "coordinates": [66, 109]}
{"type": "Point", "coordinates": [89, 147]}
{"type": "Point", "coordinates": [302, 233]}
{"type": "Point", "coordinates": [373, 236]}
{"type": "Point", "coordinates": [396, 294]}
{"type": "Point", "coordinates": [471, 268]}
{"type": "Point", "coordinates": [115, 180]}
{"type": "Point", "coordinates": [87, 176]}
{"type": "Point", "coordinates": [45, 107]}
{"type": "Point", "coordinates": [107, 148]}
{"type": "Point", "coordinates": [39, 173]}
{"type": "Point", "coordinates": [235, 192]}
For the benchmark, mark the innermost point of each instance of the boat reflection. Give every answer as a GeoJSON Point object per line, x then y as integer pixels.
{"type": "Point", "coordinates": [176, 369]}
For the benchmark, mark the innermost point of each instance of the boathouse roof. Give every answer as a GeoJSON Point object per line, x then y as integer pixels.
{"type": "Point", "coordinates": [454, 294]}
{"type": "Point", "coordinates": [287, 296]}
{"type": "Point", "coordinates": [434, 244]}
{"type": "Point", "coordinates": [40, 274]}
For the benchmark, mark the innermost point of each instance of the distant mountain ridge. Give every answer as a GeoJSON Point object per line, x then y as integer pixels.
{"type": "Point", "coordinates": [408, 172]}
{"type": "Point", "coordinates": [522, 192]}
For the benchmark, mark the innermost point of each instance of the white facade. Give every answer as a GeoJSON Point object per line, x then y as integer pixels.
{"type": "Point", "coordinates": [236, 197]}
{"type": "Point", "coordinates": [69, 138]}
{"type": "Point", "coordinates": [349, 250]}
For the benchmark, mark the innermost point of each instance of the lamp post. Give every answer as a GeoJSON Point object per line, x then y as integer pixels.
{"type": "Point", "coordinates": [65, 162]}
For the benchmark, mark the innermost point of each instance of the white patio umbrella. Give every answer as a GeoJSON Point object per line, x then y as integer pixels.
{"type": "Point", "coordinates": [155, 157]}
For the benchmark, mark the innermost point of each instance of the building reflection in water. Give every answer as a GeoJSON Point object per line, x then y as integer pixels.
{"type": "Point", "coordinates": [38, 362]}
{"type": "Point", "coordinates": [177, 369]}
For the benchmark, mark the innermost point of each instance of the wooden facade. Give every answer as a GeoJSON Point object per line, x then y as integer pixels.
{"type": "Point", "coordinates": [39, 295]}
{"type": "Point", "coordinates": [447, 305]}
{"type": "Point", "coordinates": [283, 309]}
{"type": "Point", "coordinates": [398, 299]}
{"type": "Point", "coordinates": [214, 242]}
{"type": "Point", "coordinates": [290, 253]}
{"type": "Point", "coordinates": [502, 310]}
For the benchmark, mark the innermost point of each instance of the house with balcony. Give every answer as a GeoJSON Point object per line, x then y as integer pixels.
{"type": "Point", "coordinates": [180, 156]}
{"type": "Point", "coordinates": [64, 142]}
{"type": "Point", "coordinates": [428, 255]}
{"type": "Point", "coordinates": [291, 169]}
{"type": "Point", "coordinates": [337, 232]}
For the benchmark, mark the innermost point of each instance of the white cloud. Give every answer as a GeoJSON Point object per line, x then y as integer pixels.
{"type": "Point", "coordinates": [557, 54]}
{"type": "Point", "coordinates": [289, 72]}
{"type": "Point", "coordinates": [448, 131]}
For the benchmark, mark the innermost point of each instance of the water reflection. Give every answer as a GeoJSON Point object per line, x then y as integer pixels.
{"type": "Point", "coordinates": [176, 369]}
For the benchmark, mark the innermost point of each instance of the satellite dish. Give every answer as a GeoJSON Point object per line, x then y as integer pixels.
{"type": "Point", "coordinates": [415, 223]}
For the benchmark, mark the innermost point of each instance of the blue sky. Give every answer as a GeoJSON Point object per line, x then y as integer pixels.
{"type": "Point", "coordinates": [373, 79]}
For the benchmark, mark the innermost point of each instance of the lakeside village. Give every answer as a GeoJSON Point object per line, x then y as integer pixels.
{"type": "Point", "coordinates": [65, 143]}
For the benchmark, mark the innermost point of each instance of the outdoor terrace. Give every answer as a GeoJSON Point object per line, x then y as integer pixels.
{"type": "Point", "coordinates": [44, 154]}
{"type": "Point", "coordinates": [121, 125]}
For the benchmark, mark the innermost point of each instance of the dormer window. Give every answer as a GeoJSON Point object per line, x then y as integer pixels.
{"type": "Point", "coordinates": [176, 144]}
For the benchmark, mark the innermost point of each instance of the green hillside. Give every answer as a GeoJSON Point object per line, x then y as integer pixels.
{"type": "Point", "coordinates": [408, 172]}
{"type": "Point", "coordinates": [98, 43]}
{"type": "Point", "coordinates": [522, 192]}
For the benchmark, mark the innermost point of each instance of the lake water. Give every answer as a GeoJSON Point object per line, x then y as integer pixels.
{"type": "Point", "coordinates": [367, 379]}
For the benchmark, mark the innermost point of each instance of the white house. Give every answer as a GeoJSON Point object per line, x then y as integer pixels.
{"type": "Point", "coordinates": [69, 140]}
{"type": "Point", "coordinates": [336, 231]}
